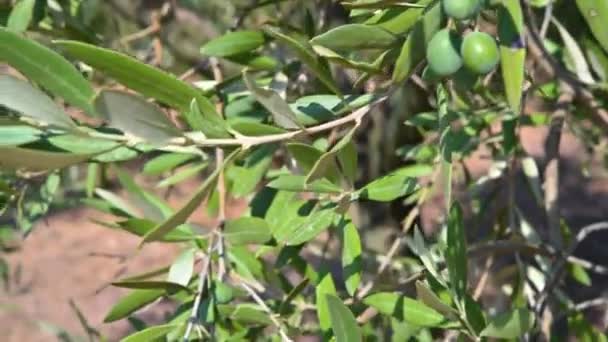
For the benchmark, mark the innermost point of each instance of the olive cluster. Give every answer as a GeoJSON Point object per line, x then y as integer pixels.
{"type": "Point", "coordinates": [448, 51]}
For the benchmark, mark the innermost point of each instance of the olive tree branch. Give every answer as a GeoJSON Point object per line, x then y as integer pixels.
{"type": "Point", "coordinates": [250, 141]}
{"type": "Point", "coordinates": [202, 281]}
{"type": "Point", "coordinates": [561, 265]}
{"type": "Point", "coordinates": [272, 315]}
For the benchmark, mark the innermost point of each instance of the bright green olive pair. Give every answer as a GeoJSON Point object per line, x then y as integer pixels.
{"type": "Point", "coordinates": [446, 53]}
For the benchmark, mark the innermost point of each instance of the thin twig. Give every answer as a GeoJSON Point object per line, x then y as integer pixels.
{"type": "Point", "coordinates": [546, 19]}
{"type": "Point", "coordinates": [202, 281]}
{"type": "Point", "coordinates": [273, 318]}
{"type": "Point", "coordinates": [551, 173]}
{"type": "Point", "coordinates": [561, 264]}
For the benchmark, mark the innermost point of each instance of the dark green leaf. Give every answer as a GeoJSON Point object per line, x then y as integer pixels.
{"type": "Point", "coordinates": [182, 175]}
{"type": "Point", "coordinates": [17, 135]}
{"type": "Point", "coordinates": [512, 51]}
{"type": "Point", "coordinates": [404, 308]}
{"type": "Point", "coordinates": [324, 287]}
{"type": "Point", "coordinates": [150, 285]}
{"type": "Point", "coordinates": [596, 15]}
{"type": "Point", "coordinates": [428, 297]}
{"type": "Point", "coordinates": [348, 158]}
{"type": "Point", "coordinates": [21, 15]}
{"type": "Point", "coordinates": [20, 96]}
{"type": "Point", "coordinates": [355, 36]}
{"type": "Point", "coordinates": [147, 80]}
{"type": "Point", "coordinates": [396, 184]}
{"type": "Point", "coordinates": [252, 129]}
{"type": "Point", "coordinates": [151, 333]}
{"type": "Point", "coordinates": [46, 68]}
{"type": "Point", "coordinates": [165, 162]}
{"type": "Point", "coordinates": [343, 322]}
{"type": "Point", "coordinates": [352, 262]}
{"type": "Point", "coordinates": [132, 302]}
{"type": "Point", "coordinates": [233, 43]}
{"type": "Point", "coordinates": [141, 227]}
{"type": "Point", "coordinates": [246, 313]}
{"type": "Point", "coordinates": [509, 325]}
{"type": "Point", "coordinates": [314, 225]}
{"type": "Point", "coordinates": [456, 252]}
{"type": "Point", "coordinates": [247, 230]}
{"type": "Point", "coordinates": [135, 116]}
{"type": "Point", "coordinates": [37, 160]}
{"type": "Point", "coordinates": [414, 48]}
{"type": "Point", "coordinates": [298, 184]}
{"type": "Point", "coordinates": [281, 112]}
{"type": "Point", "coordinates": [399, 20]}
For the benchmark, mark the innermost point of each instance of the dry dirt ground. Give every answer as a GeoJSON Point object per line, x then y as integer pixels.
{"type": "Point", "coordinates": [70, 258]}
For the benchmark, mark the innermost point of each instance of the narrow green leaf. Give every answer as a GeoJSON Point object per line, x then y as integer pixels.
{"type": "Point", "coordinates": [343, 322]}
{"type": "Point", "coordinates": [314, 225]}
{"type": "Point", "coordinates": [509, 325]}
{"type": "Point", "coordinates": [306, 54]}
{"type": "Point", "coordinates": [316, 109]}
{"type": "Point", "coordinates": [399, 20]}
{"type": "Point", "coordinates": [334, 57]}
{"type": "Point", "coordinates": [201, 116]}
{"type": "Point", "coordinates": [414, 48]}
{"type": "Point", "coordinates": [324, 287]}
{"type": "Point", "coordinates": [255, 61]}
{"type": "Point", "coordinates": [165, 162]}
{"type": "Point", "coordinates": [152, 207]}
{"type": "Point", "coordinates": [46, 68]}
{"type": "Point", "coordinates": [17, 135]}
{"type": "Point", "coordinates": [233, 43]}
{"type": "Point", "coordinates": [512, 51]}
{"type": "Point", "coordinates": [182, 269]}
{"type": "Point", "coordinates": [404, 308]}
{"type": "Point", "coordinates": [281, 112]}
{"type": "Point", "coordinates": [147, 80]}
{"type": "Point", "coordinates": [116, 202]}
{"type": "Point", "coordinates": [136, 116]}
{"type": "Point", "coordinates": [132, 302]}
{"type": "Point", "coordinates": [21, 16]}
{"type": "Point", "coordinates": [352, 262]}
{"type": "Point", "coordinates": [298, 184]}
{"type": "Point", "coordinates": [141, 227]}
{"type": "Point", "coordinates": [184, 213]}
{"type": "Point", "coordinates": [151, 333]}
{"type": "Point", "coordinates": [355, 36]}
{"type": "Point", "coordinates": [348, 159]}
{"type": "Point", "coordinates": [247, 230]}
{"type": "Point", "coordinates": [37, 160]}
{"type": "Point", "coordinates": [428, 297]}
{"type": "Point", "coordinates": [246, 313]}
{"type": "Point", "coordinates": [396, 184]}
{"type": "Point", "coordinates": [596, 15]}
{"type": "Point", "coordinates": [182, 175]}
{"type": "Point", "coordinates": [252, 129]}
{"type": "Point", "coordinates": [305, 155]}
{"type": "Point", "coordinates": [456, 252]}
{"type": "Point", "coordinates": [326, 165]}
{"type": "Point", "coordinates": [151, 285]}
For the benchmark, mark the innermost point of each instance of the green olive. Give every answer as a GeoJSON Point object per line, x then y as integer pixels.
{"type": "Point", "coordinates": [461, 9]}
{"type": "Point", "coordinates": [479, 52]}
{"type": "Point", "coordinates": [443, 53]}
